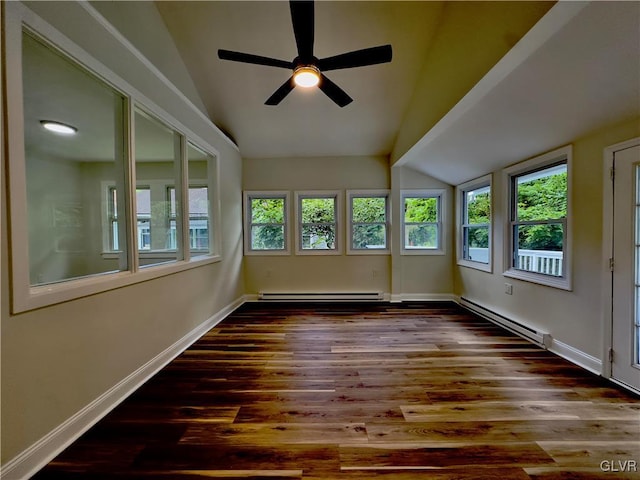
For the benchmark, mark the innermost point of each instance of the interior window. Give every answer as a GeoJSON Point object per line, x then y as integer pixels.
{"type": "Point", "coordinates": [74, 141]}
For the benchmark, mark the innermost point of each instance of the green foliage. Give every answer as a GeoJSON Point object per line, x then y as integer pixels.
{"type": "Point", "coordinates": [479, 208]}
{"type": "Point", "coordinates": [421, 210]}
{"type": "Point", "coordinates": [369, 210]}
{"type": "Point", "coordinates": [270, 213]}
{"type": "Point", "coordinates": [318, 218]}
{"type": "Point", "coordinates": [542, 199]}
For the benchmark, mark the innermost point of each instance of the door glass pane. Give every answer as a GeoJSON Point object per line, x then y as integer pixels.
{"type": "Point", "coordinates": [199, 205]}
{"type": "Point", "coordinates": [636, 290]}
{"type": "Point", "coordinates": [71, 219]}
{"type": "Point", "coordinates": [157, 163]}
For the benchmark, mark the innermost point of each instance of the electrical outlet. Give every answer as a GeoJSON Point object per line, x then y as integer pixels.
{"type": "Point", "coordinates": [508, 289]}
{"type": "Point", "coordinates": [374, 273]}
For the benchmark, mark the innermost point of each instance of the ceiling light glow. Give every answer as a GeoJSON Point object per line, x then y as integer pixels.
{"type": "Point", "coordinates": [58, 127]}
{"type": "Point", "coordinates": [306, 76]}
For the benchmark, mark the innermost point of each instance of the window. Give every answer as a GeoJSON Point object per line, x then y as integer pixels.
{"type": "Point", "coordinates": [474, 224]}
{"type": "Point", "coordinates": [317, 215]}
{"type": "Point", "coordinates": [143, 203]}
{"type": "Point", "coordinates": [61, 171]}
{"type": "Point", "coordinates": [539, 227]}
{"type": "Point", "coordinates": [87, 212]}
{"type": "Point", "coordinates": [158, 156]}
{"type": "Point", "coordinates": [368, 221]}
{"type": "Point", "coordinates": [198, 219]}
{"type": "Point", "coordinates": [199, 207]}
{"type": "Point", "coordinates": [422, 222]}
{"type": "Point", "coordinates": [266, 225]}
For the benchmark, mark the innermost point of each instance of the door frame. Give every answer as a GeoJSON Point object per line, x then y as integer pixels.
{"type": "Point", "coordinates": [607, 253]}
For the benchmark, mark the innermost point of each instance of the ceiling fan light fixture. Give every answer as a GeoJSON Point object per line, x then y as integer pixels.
{"type": "Point", "coordinates": [306, 76]}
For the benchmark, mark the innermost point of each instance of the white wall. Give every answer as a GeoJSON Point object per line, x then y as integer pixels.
{"type": "Point", "coordinates": [573, 318]}
{"type": "Point", "coordinates": [58, 359]}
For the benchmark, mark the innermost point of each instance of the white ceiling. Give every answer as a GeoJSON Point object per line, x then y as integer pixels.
{"type": "Point", "coordinates": [577, 70]}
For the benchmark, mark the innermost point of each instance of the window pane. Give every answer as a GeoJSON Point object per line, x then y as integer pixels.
{"type": "Point", "coordinates": [539, 248]}
{"type": "Point", "coordinates": [157, 164]}
{"type": "Point", "coordinates": [199, 200]}
{"type": "Point", "coordinates": [476, 241]}
{"type": "Point", "coordinates": [65, 174]}
{"type": "Point", "coordinates": [318, 210]}
{"type": "Point", "coordinates": [267, 210]}
{"type": "Point", "coordinates": [369, 237]}
{"type": "Point", "coordinates": [421, 236]}
{"type": "Point", "coordinates": [267, 237]}
{"type": "Point", "coordinates": [478, 206]}
{"type": "Point", "coordinates": [542, 195]}
{"type": "Point", "coordinates": [421, 210]}
{"type": "Point", "coordinates": [369, 209]}
{"type": "Point", "coordinates": [143, 205]}
{"type": "Point", "coordinates": [318, 237]}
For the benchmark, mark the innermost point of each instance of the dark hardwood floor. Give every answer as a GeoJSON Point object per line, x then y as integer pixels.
{"type": "Point", "coordinates": [362, 391]}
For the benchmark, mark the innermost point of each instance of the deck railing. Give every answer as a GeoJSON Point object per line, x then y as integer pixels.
{"type": "Point", "coordinates": [540, 261]}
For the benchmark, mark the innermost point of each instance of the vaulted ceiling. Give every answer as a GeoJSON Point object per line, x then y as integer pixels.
{"type": "Point", "coordinates": [451, 44]}
{"type": "Point", "coordinates": [472, 87]}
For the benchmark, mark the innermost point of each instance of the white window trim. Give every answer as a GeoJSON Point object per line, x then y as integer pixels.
{"type": "Point", "coordinates": [368, 193]}
{"type": "Point", "coordinates": [337, 196]}
{"type": "Point", "coordinates": [24, 296]}
{"type": "Point", "coordinates": [440, 195]}
{"type": "Point", "coordinates": [565, 282]}
{"type": "Point", "coordinates": [460, 192]}
{"type": "Point", "coordinates": [249, 194]}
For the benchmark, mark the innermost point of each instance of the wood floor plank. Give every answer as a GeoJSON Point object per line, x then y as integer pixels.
{"type": "Point", "coordinates": [318, 391]}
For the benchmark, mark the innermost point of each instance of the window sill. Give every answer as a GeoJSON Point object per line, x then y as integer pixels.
{"type": "Point", "coordinates": [50, 294]}
{"type": "Point", "coordinates": [562, 283]}
{"type": "Point", "coordinates": [422, 251]}
{"type": "Point", "coordinates": [484, 267]}
{"type": "Point", "coordinates": [369, 251]}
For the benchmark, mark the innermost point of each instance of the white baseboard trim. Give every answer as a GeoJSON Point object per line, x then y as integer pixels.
{"type": "Point", "coordinates": [580, 358]}
{"type": "Point", "coordinates": [28, 462]}
{"type": "Point", "coordinates": [425, 297]}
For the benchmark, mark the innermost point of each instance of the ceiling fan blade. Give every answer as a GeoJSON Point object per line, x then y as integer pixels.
{"type": "Point", "coordinates": [302, 18]}
{"type": "Point", "coordinates": [254, 59]}
{"type": "Point", "coordinates": [357, 58]}
{"type": "Point", "coordinates": [281, 92]}
{"type": "Point", "coordinates": [334, 92]}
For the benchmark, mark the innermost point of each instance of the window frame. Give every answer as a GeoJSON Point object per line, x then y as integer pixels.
{"type": "Point", "coordinates": [336, 195]}
{"type": "Point", "coordinates": [461, 193]}
{"type": "Point", "coordinates": [541, 162]}
{"type": "Point", "coordinates": [383, 193]}
{"type": "Point", "coordinates": [25, 296]}
{"type": "Point", "coordinates": [249, 195]}
{"type": "Point", "coordinates": [440, 195]}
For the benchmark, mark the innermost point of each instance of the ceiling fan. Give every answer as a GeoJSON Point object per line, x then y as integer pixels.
{"type": "Point", "coordinates": [308, 69]}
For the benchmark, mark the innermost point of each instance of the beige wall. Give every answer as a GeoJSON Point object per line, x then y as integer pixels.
{"type": "Point", "coordinates": [421, 276]}
{"type": "Point", "coordinates": [575, 317]}
{"type": "Point", "coordinates": [57, 360]}
{"type": "Point", "coordinates": [402, 276]}
{"type": "Point", "coordinates": [317, 273]}
{"type": "Point", "coordinates": [497, 26]}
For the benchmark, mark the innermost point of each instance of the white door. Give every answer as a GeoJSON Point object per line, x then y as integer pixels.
{"type": "Point", "coordinates": [625, 366]}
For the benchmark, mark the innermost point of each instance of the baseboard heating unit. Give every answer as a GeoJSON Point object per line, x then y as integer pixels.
{"type": "Point", "coordinates": [321, 296]}
{"type": "Point", "coordinates": [541, 338]}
